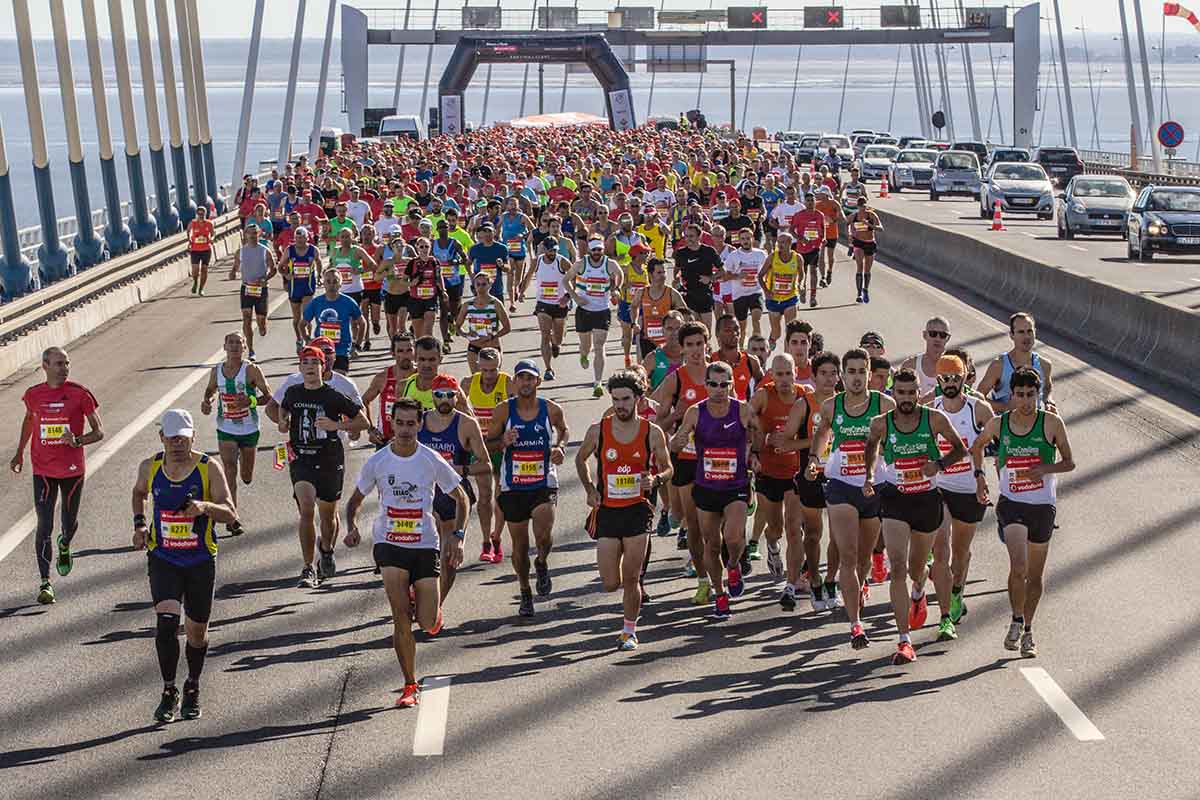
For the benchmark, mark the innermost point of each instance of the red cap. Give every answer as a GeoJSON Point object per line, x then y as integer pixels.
{"type": "Point", "coordinates": [444, 382]}
{"type": "Point", "coordinates": [322, 343]}
{"type": "Point", "coordinates": [637, 249]}
{"type": "Point", "coordinates": [312, 352]}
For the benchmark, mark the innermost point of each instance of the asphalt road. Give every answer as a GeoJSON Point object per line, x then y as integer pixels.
{"type": "Point", "coordinates": [1173, 279]}
{"type": "Point", "coordinates": [299, 684]}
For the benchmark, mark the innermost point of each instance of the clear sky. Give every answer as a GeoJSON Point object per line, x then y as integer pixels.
{"type": "Point", "coordinates": [231, 18]}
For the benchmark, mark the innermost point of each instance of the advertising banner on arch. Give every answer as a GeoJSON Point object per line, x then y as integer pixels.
{"type": "Point", "coordinates": [451, 112]}
{"type": "Point", "coordinates": [621, 102]}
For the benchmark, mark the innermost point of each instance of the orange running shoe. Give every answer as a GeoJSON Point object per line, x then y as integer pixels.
{"type": "Point", "coordinates": [904, 654]}
{"type": "Point", "coordinates": [879, 568]}
{"type": "Point", "coordinates": [918, 612]}
{"type": "Point", "coordinates": [410, 697]}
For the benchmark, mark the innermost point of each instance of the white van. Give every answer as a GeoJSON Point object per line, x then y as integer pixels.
{"type": "Point", "coordinates": [397, 125]}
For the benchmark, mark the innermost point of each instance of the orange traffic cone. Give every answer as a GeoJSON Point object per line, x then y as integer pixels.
{"type": "Point", "coordinates": [883, 192]}
{"type": "Point", "coordinates": [997, 218]}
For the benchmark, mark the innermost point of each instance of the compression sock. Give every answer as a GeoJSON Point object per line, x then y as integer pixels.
{"type": "Point", "coordinates": [858, 281]}
{"type": "Point", "coordinates": [866, 280]}
{"type": "Point", "coordinates": [166, 643]}
{"type": "Point", "coordinates": [195, 660]}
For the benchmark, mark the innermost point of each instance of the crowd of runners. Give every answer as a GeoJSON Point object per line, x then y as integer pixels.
{"type": "Point", "coordinates": [739, 441]}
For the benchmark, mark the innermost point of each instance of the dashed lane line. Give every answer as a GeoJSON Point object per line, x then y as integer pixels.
{"type": "Point", "coordinates": [429, 739]}
{"type": "Point", "coordinates": [1075, 720]}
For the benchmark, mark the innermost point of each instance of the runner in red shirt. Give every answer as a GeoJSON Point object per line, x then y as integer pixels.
{"type": "Point", "coordinates": [808, 228]}
{"type": "Point", "coordinates": [200, 237]}
{"type": "Point", "coordinates": [312, 215]}
{"type": "Point", "coordinates": [53, 427]}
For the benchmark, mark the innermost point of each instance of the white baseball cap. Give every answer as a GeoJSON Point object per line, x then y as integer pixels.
{"type": "Point", "coordinates": [177, 422]}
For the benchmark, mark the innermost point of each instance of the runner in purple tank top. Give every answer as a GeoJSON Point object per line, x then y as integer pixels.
{"type": "Point", "coordinates": [723, 429]}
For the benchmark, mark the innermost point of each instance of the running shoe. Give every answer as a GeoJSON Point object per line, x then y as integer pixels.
{"type": "Point", "coordinates": [485, 554]}
{"type": "Point", "coordinates": [918, 612]}
{"type": "Point", "coordinates": [583, 360]}
{"type": "Point", "coordinates": [410, 697]}
{"type": "Point", "coordinates": [689, 569]}
{"type": "Point", "coordinates": [46, 594]}
{"type": "Point", "coordinates": [354, 349]}
{"type": "Point", "coordinates": [235, 528]}
{"type": "Point", "coordinates": [627, 641]}
{"type": "Point", "coordinates": [752, 551]}
{"type": "Point", "coordinates": [1028, 646]}
{"type": "Point", "coordinates": [526, 608]}
{"type": "Point", "coordinates": [548, 375]}
{"type": "Point", "coordinates": [904, 654]}
{"type": "Point", "coordinates": [512, 308]}
{"type": "Point", "coordinates": [721, 606]}
{"type": "Point", "coordinates": [958, 609]}
{"type": "Point", "coordinates": [195, 285]}
{"type": "Point", "coordinates": [645, 595]}
{"type": "Point", "coordinates": [543, 577]}
{"type": "Point", "coordinates": [497, 551]}
{"type": "Point", "coordinates": [703, 594]}
{"type": "Point", "coordinates": [65, 562]}
{"type": "Point", "coordinates": [829, 277]}
{"type": "Point", "coordinates": [554, 350]}
{"type": "Point", "coordinates": [858, 637]}
{"type": "Point", "coordinates": [201, 293]}
{"type": "Point", "coordinates": [879, 568]}
{"type": "Point", "coordinates": [366, 344]}
{"type": "Point", "coordinates": [190, 708]}
{"type": "Point", "coordinates": [787, 599]}
{"type": "Point", "coordinates": [664, 524]}
{"type": "Point", "coordinates": [252, 358]}
{"type": "Point", "coordinates": [437, 626]}
{"type": "Point", "coordinates": [745, 564]}
{"type": "Point", "coordinates": [375, 327]}
{"type": "Point", "coordinates": [833, 599]}
{"type": "Point", "coordinates": [946, 631]}
{"type": "Point", "coordinates": [168, 706]}
{"type": "Point", "coordinates": [681, 539]}
{"type": "Point", "coordinates": [1013, 637]}
{"type": "Point", "coordinates": [812, 303]}
{"type": "Point", "coordinates": [327, 568]}
{"type": "Point", "coordinates": [859, 299]}
{"type": "Point", "coordinates": [818, 598]}
{"type": "Point", "coordinates": [866, 295]}
{"type": "Point", "coordinates": [597, 390]}
{"type": "Point", "coordinates": [308, 578]}
{"type": "Point", "coordinates": [737, 587]}
{"type": "Point", "coordinates": [774, 560]}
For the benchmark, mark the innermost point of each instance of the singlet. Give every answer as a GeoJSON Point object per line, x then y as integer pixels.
{"type": "Point", "coordinates": [781, 464]}
{"type": "Point", "coordinates": [231, 419]}
{"type": "Point", "coordinates": [526, 465]}
{"type": "Point", "coordinates": [721, 449]}
{"type": "Point", "coordinates": [1002, 393]}
{"type": "Point", "coordinates": [549, 279]}
{"type": "Point", "coordinates": [860, 227]}
{"type": "Point", "coordinates": [663, 366]}
{"type": "Point", "coordinates": [481, 322]}
{"type": "Point", "coordinates": [959, 476]}
{"type": "Point", "coordinates": [905, 454]}
{"type": "Point", "coordinates": [175, 537]}
{"type": "Point", "coordinates": [349, 267]}
{"type": "Point", "coordinates": [370, 280]}
{"type": "Point", "coordinates": [848, 454]}
{"type": "Point", "coordinates": [450, 261]}
{"type": "Point", "coordinates": [746, 264]}
{"type": "Point", "coordinates": [422, 281]}
{"type": "Point", "coordinates": [302, 275]}
{"type": "Point", "coordinates": [621, 465]}
{"type": "Point", "coordinates": [782, 276]}
{"type": "Point", "coordinates": [850, 194]}
{"type": "Point", "coordinates": [254, 264]}
{"type": "Point", "coordinates": [742, 376]}
{"type": "Point", "coordinates": [447, 443]}
{"type": "Point", "coordinates": [688, 392]}
{"type": "Point", "coordinates": [512, 234]}
{"type": "Point", "coordinates": [387, 397]}
{"type": "Point", "coordinates": [652, 313]}
{"type": "Point", "coordinates": [621, 247]}
{"type": "Point", "coordinates": [634, 280]}
{"type": "Point", "coordinates": [483, 403]}
{"type": "Point", "coordinates": [422, 396]}
{"type": "Point", "coordinates": [1016, 453]}
{"type": "Point", "coordinates": [654, 238]}
{"type": "Point", "coordinates": [200, 236]}
{"type": "Point", "coordinates": [925, 383]}
{"type": "Point", "coordinates": [593, 284]}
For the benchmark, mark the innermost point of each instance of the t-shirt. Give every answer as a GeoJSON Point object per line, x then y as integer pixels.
{"type": "Point", "coordinates": [306, 406]}
{"type": "Point", "coordinates": [333, 319]}
{"type": "Point", "coordinates": [200, 236]}
{"type": "Point", "coordinates": [405, 485]}
{"type": "Point", "coordinates": [55, 411]}
{"type": "Point", "coordinates": [808, 228]}
{"type": "Point", "coordinates": [782, 213]}
{"type": "Point", "coordinates": [357, 210]}
{"type": "Point", "coordinates": [492, 254]}
{"type": "Point", "coordinates": [695, 264]}
{"type": "Point", "coordinates": [747, 264]}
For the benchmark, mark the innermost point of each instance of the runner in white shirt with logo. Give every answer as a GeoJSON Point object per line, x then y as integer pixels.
{"type": "Point", "coordinates": [742, 267]}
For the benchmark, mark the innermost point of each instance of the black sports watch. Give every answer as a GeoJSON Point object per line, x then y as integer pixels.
{"type": "Point", "coordinates": [979, 473]}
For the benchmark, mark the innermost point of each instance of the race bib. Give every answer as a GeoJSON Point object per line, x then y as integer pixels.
{"type": "Point", "coordinates": [654, 331]}
{"type": "Point", "coordinates": [53, 432]}
{"type": "Point", "coordinates": [233, 407]}
{"type": "Point", "coordinates": [720, 464]}
{"type": "Point", "coordinates": [301, 270]}
{"type": "Point", "coordinates": [909, 477]}
{"type": "Point", "coordinates": [201, 239]}
{"type": "Point", "coordinates": [811, 235]}
{"type": "Point", "coordinates": [254, 290]}
{"type": "Point", "coordinates": [1018, 477]}
{"type": "Point", "coordinates": [548, 291]}
{"type": "Point", "coordinates": [283, 456]}
{"type": "Point", "coordinates": [595, 286]}
{"type": "Point", "coordinates": [404, 525]}
{"type": "Point", "coordinates": [624, 486]}
{"type": "Point", "coordinates": [783, 285]}
{"type": "Point", "coordinates": [346, 274]}
{"type": "Point", "coordinates": [528, 467]}
{"type": "Point", "coordinates": [854, 458]}
{"type": "Point", "coordinates": [480, 325]}
{"type": "Point", "coordinates": [689, 449]}
{"type": "Point", "coordinates": [750, 279]}
{"type": "Point", "coordinates": [448, 270]}
{"type": "Point", "coordinates": [516, 246]}
{"type": "Point", "coordinates": [331, 331]}
{"type": "Point", "coordinates": [482, 414]}
{"type": "Point", "coordinates": [861, 227]}
{"type": "Point", "coordinates": [424, 292]}
{"type": "Point", "coordinates": [177, 531]}
{"type": "Point", "coordinates": [489, 270]}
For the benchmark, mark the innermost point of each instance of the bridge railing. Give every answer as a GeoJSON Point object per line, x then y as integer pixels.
{"type": "Point", "coordinates": [1177, 171]}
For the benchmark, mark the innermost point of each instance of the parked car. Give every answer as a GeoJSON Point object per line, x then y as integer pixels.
{"type": "Point", "coordinates": [1164, 219]}
{"type": "Point", "coordinates": [1020, 188]}
{"type": "Point", "coordinates": [876, 160]}
{"type": "Point", "coordinates": [912, 169]}
{"type": "Point", "coordinates": [1012, 154]}
{"type": "Point", "coordinates": [807, 148]}
{"type": "Point", "coordinates": [1093, 204]}
{"type": "Point", "coordinates": [978, 148]}
{"type": "Point", "coordinates": [1060, 163]}
{"type": "Point", "coordinates": [845, 150]}
{"type": "Point", "coordinates": [955, 173]}
{"type": "Point", "coordinates": [861, 142]}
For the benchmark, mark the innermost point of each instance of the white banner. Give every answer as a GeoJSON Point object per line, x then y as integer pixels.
{"type": "Point", "coordinates": [451, 113]}
{"type": "Point", "coordinates": [621, 102]}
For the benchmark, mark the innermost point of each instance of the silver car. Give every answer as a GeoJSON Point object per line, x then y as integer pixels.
{"type": "Point", "coordinates": [876, 160]}
{"type": "Point", "coordinates": [912, 169]}
{"type": "Point", "coordinates": [1094, 204]}
{"type": "Point", "coordinates": [956, 172]}
{"type": "Point", "coordinates": [1022, 188]}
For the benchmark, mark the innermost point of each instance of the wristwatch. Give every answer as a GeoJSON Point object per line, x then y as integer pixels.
{"type": "Point", "coordinates": [979, 473]}
{"type": "Point", "coordinates": [460, 534]}
{"type": "Point", "coordinates": [941, 464]}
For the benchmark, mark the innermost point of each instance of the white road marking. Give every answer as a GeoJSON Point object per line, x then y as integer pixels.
{"type": "Point", "coordinates": [430, 736]}
{"type": "Point", "coordinates": [1075, 720]}
{"type": "Point", "coordinates": [1030, 235]}
{"type": "Point", "coordinates": [113, 444]}
{"type": "Point", "coordinates": [1077, 247]}
{"type": "Point", "coordinates": [1194, 280]}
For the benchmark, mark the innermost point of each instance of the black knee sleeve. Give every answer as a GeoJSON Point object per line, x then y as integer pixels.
{"type": "Point", "coordinates": [166, 642]}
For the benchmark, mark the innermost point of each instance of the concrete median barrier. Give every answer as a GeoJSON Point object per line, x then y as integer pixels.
{"type": "Point", "coordinates": [1141, 332]}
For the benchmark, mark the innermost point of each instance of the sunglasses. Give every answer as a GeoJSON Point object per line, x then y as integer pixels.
{"type": "Point", "coordinates": [952, 377]}
{"type": "Point", "coordinates": [444, 394]}
{"type": "Point", "coordinates": [718, 384]}
{"type": "Point", "coordinates": [938, 334]}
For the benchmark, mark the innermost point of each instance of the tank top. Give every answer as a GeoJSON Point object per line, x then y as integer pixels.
{"type": "Point", "coordinates": [449, 261]}
{"type": "Point", "coordinates": [549, 279]}
{"type": "Point", "coordinates": [688, 393]}
{"type": "Point", "coordinates": [782, 276]}
{"type": "Point", "coordinates": [232, 418]}
{"type": "Point", "coordinates": [741, 376]}
{"type": "Point", "coordinates": [925, 383]}
{"type": "Point", "coordinates": [482, 322]}
{"type": "Point", "coordinates": [387, 398]}
{"type": "Point", "coordinates": [1016, 453]}
{"type": "Point", "coordinates": [621, 247]}
{"type": "Point", "coordinates": [513, 233]}
{"type": "Point", "coordinates": [652, 314]}
{"type": "Point", "coordinates": [959, 476]}
{"type": "Point", "coordinates": [1002, 393]}
{"type": "Point", "coordinates": [634, 280]}
{"type": "Point", "coordinates": [349, 267]}
{"type": "Point", "coordinates": [422, 282]}
{"type": "Point", "coordinates": [254, 264]}
{"type": "Point", "coordinates": [593, 284]}
{"type": "Point", "coordinates": [778, 463]}
{"type": "Point", "coordinates": [654, 238]}
{"type": "Point", "coordinates": [422, 396]}
{"type": "Point", "coordinates": [302, 275]}
{"type": "Point", "coordinates": [371, 280]}
{"type": "Point", "coordinates": [526, 465]}
{"type": "Point", "coordinates": [175, 537]}
{"type": "Point", "coordinates": [721, 449]}
{"type": "Point", "coordinates": [483, 403]}
{"type": "Point", "coordinates": [663, 366]}
{"type": "Point", "coordinates": [848, 454]}
{"type": "Point", "coordinates": [906, 453]}
{"type": "Point", "coordinates": [447, 443]}
{"type": "Point", "coordinates": [621, 465]}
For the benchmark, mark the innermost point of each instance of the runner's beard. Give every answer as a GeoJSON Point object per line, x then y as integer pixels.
{"type": "Point", "coordinates": [951, 391]}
